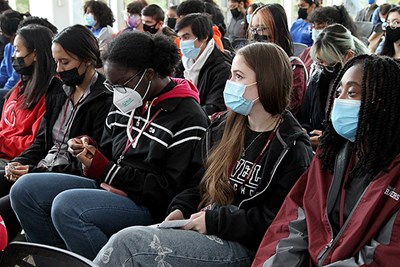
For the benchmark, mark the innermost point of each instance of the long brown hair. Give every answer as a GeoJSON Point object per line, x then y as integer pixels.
{"type": "Point", "coordinates": [274, 83]}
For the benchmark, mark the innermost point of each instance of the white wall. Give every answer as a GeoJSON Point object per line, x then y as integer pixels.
{"type": "Point", "coordinates": [63, 13]}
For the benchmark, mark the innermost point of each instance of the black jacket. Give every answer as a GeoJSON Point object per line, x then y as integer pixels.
{"type": "Point", "coordinates": [212, 79]}
{"type": "Point", "coordinates": [153, 172]}
{"type": "Point", "coordinates": [287, 158]}
{"type": "Point", "coordinates": [312, 113]}
{"type": "Point", "coordinates": [89, 120]}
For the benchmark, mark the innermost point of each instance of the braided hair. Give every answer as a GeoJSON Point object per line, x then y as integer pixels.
{"type": "Point", "coordinates": [377, 140]}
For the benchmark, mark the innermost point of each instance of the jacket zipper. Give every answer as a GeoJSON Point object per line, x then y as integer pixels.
{"type": "Point", "coordinates": [324, 253]}
{"type": "Point", "coordinates": [283, 154]}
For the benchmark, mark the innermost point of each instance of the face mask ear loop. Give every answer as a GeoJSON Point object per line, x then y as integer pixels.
{"type": "Point", "coordinates": [129, 125]}
{"type": "Point", "coordinates": [128, 128]}
{"type": "Point", "coordinates": [141, 78]}
{"type": "Point", "coordinates": [147, 90]}
{"type": "Point", "coordinates": [251, 85]}
{"type": "Point", "coordinates": [145, 125]}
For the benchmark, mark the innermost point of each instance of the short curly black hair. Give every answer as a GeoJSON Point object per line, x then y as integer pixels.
{"type": "Point", "coordinates": [140, 51]}
{"type": "Point", "coordinates": [101, 12]}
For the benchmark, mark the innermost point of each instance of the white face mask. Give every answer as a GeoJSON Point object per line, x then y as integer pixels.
{"type": "Point", "coordinates": [314, 34]}
{"type": "Point", "coordinates": [127, 99]}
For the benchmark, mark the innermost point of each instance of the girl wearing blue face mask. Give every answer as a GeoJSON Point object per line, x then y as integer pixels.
{"type": "Point", "coordinates": [252, 156]}
{"type": "Point", "coordinates": [99, 19]}
{"type": "Point", "coordinates": [347, 203]}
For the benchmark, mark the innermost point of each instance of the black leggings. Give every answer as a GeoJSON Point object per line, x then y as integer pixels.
{"type": "Point", "coordinates": [9, 217]}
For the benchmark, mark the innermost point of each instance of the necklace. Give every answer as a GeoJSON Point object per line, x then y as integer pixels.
{"type": "Point", "coordinates": [245, 149]}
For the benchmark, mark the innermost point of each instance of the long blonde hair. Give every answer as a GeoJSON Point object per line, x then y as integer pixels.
{"type": "Point", "coordinates": [274, 83]}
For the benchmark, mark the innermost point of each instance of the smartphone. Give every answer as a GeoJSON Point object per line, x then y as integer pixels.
{"type": "Point", "coordinates": [112, 189]}
{"type": "Point", "coordinates": [173, 224]}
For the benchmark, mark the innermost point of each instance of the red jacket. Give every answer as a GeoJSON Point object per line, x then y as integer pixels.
{"type": "Point", "coordinates": [301, 235]}
{"type": "Point", "coordinates": [18, 127]}
{"type": "Point", "coordinates": [299, 85]}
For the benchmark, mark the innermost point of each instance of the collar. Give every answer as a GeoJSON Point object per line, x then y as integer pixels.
{"type": "Point", "coordinates": [68, 89]}
{"type": "Point", "coordinates": [192, 68]}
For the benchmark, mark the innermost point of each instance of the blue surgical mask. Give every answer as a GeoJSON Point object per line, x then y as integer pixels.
{"type": "Point", "coordinates": [314, 34]}
{"type": "Point", "coordinates": [233, 97]}
{"type": "Point", "coordinates": [189, 50]}
{"type": "Point", "coordinates": [89, 19]}
{"type": "Point", "coordinates": [344, 117]}
{"type": "Point", "coordinates": [248, 18]}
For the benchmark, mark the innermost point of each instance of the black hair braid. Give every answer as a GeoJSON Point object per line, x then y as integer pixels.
{"type": "Point", "coordinates": [378, 132]}
{"type": "Point", "coordinates": [380, 121]}
{"type": "Point", "coordinates": [331, 142]}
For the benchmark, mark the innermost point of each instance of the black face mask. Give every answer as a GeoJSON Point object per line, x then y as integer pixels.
{"type": "Point", "coordinates": [302, 13]}
{"type": "Point", "coordinates": [18, 64]}
{"type": "Point", "coordinates": [235, 13]}
{"type": "Point", "coordinates": [150, 29]}
{"type": "Point", "coordinates": [71, 77]}
{"type": "Point", "coordinates": [392, 35]}
{"type": "Point", "coordinates": [332, 74]}
{"type": "Point", "coordinates": [171, 22]}
{"type": "Point", "coordinates": [260, 38]}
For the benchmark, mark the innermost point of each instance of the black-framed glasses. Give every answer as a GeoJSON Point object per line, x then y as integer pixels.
{"type": "Point", "coordinates": [257, 30]}
{"type": "Point", "coordinates": [120, 88]}
{"type": "Point", "coordinates": [330, 69]}
{"type": "Point", "coordinates": [393, 25]}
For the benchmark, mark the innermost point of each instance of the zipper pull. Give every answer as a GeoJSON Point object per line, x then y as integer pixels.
{"type": "Point", "coordinates": [325, 249]}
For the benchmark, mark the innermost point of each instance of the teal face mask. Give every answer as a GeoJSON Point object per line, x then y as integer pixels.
{"type": "Point", "coordinates": [189, 50]}
{"type": "Point", "coordinates": [233, 97]}
{"type": "Point", "coordinates": [344, 117]}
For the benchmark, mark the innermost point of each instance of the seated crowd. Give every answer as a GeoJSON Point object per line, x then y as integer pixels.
{"type": "Point", "coordinates": [192, 143]}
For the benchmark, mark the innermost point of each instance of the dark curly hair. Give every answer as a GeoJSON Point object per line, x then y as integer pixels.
{"type": "Point", "coordinates": [101, 12]}
{"type": "Point", "coordinates": [377, 140]}
{"type": "Point", "coordinates": [140, 51]}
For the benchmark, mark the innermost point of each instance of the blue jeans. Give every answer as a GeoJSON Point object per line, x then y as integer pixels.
{"type": "Point", "coordinates": [70, 212]}
{"type": "Point", "coordinates": [148, 246]}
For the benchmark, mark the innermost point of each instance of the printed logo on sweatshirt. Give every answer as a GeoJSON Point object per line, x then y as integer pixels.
{"type": "Point", "coordinates": [389, 191]}
{"type": "Point", "coordinates": [242, 171]}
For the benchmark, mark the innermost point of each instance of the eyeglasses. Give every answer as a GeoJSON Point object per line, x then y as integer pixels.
{"type": "Point", "coordinates": [258, 30]}
{"type": "Point", "coordinates": [330, 69]}
{"type": "Point", "coordinates": [120, 88]}
{"type": "Point", "coordinates": [393, 25]}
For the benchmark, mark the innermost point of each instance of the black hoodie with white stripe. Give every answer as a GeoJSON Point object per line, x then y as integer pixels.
{"type": "Point", "coordinates": [157, 165]}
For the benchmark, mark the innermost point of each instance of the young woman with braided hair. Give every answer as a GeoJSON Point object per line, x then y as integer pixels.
{"type": "Point", "coordinates": [344, 210]}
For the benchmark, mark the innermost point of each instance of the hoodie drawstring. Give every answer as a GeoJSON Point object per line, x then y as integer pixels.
{"type": "Point", "coordinates": [134, 141]}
